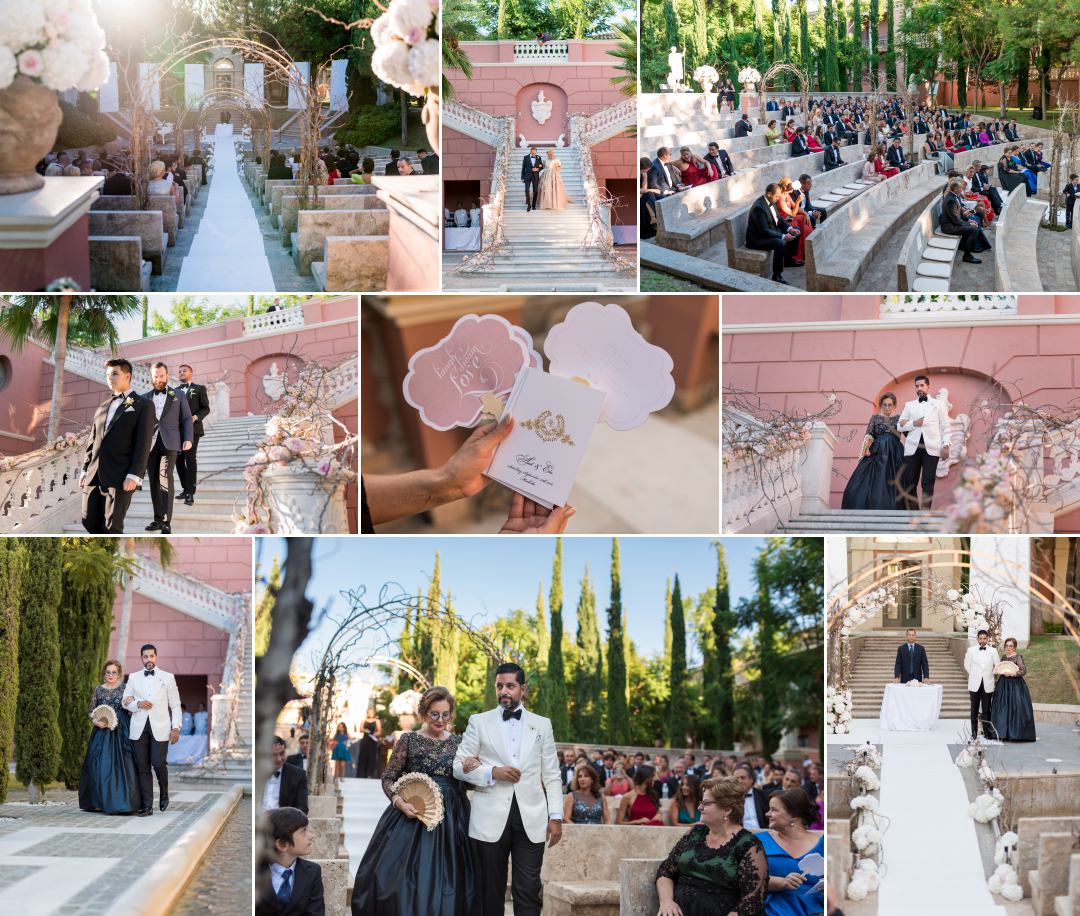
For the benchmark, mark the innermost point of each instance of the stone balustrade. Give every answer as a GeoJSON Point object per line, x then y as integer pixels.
{"type": "Point", "coordinates": [220, 609]}
{"type": "Point", "coordinates": [924, 304]}
{"type": "Point", "coordinates": [272, 322]}
{"type": "Point", "coordinates": [40, 494]}
{"type": "Point", "coordinates": [472, 122]}
{"type": "Point", "coordinates": [608, 122]}
{"type": "Point", "coordinates": [533, 52]}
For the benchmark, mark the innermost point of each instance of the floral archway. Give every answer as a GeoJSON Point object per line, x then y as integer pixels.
{"type": "Point", "coordinates": [782, 68]}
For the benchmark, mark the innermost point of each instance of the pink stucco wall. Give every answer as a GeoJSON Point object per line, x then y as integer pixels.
{"type": "Point", "coordinates": [1001, 362]}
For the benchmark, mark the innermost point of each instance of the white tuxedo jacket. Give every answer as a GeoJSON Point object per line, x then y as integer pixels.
{"type": "Point", "coordinates": [980, 668]}
{"type": "Point", "coordinates": [159, 689]}
{"type": "Point", "coordinates": [539, 791]}
{"type": "Point", "coordinates": [935, 429]}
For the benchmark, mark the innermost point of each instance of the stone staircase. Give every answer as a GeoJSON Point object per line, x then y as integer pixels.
{"type": "Point", "coordinates": [223, 452]}
{"type": "Point", "coordinates": [545, 246]}
{"type": "Point", "coordinates": [874, 669]}
{"type": "Point", "coordinates": [363, 803]}
{"type": "Point", "coordinates": [851, 521]}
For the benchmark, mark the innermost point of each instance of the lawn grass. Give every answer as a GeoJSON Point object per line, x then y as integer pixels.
{"type": "Point", "coordinates": [652, 281]}
{"type": "Point", "coordinates": [1019, 116]}
{"type": "Point", "coordinates": [417, 138]}
{"type": "Point", "coordinates": [1051, 670]}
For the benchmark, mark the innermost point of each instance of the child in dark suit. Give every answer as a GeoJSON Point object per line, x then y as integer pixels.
{"type": "Point", "coordinates": [290, 885]}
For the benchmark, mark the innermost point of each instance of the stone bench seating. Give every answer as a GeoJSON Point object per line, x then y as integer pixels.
{"type": "Point", "coordinates": [840, 250]}
{"type": "Point", "coordinates": [352, 263]}
{"type": "Point", "coordinates": [287, 200]}
{"type": "Point", "coordinates": [1068, 904]}
{"type": "Point", "coordinates": [171, 218]}
{"type": "Point", "coordinates": [291, 209]}
{"type": "Point", "coordinates": [927, 257]}
{"type": "Point", "coordinates": [705, 273]}
{"type": "Point", "coordinates": [1047, 868]}
{"type": "Point", "coordinates": [698, 139]}
{"type": "Point", "coordinates": [689, 221]}
{"type": "Point", "coordinates": [278, 191]}
{"type": "Point", "coordinates": [315, 226]}
{"type": "Point", "coordinates": [146, 224]}
{"type": "Point", "coordinates": [1016, 264]}
{"type": "Point", "coordinates": [117, 265]}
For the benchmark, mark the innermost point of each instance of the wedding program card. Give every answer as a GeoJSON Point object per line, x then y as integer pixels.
{"type": "Point", "coordinates": [553, 422]}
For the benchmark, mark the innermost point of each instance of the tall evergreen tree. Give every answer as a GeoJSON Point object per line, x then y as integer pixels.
{"type": "Point", "coordinates": [761, 61]}
{"type": "Point", "coordinates": [428, 623]}
{"type": "Point", "coordinates": [841, 45]}
{"type": "Point", "coordinates": [719, 675]}
{"type": "Point", "coordinates": [448, 649]}
{"type": "Point", "coordinates": [667, 626]}
{"type": "Point", "coordinates": [828, 75]}
{"type": "Point", "coordinates": [555, 676]}
{"type": "Point", "coordinates": [700, 36]}
{"type": "Point", "coordinates": [618, 712]}
{"type": "Point", "coordinates": [777, 48]}
{"type": "Point", "coordinates": [770, 686]}
{"type": "Point", "coordinates": [671, 25]}
{"type": "Point", "coordinates": [857, 50]}
{"type": "Point", "coordinates": [84, 620]}
{"type": "Point", "coordinates": [37, 751]}
{"type": "Point", "coordinates": [490, 700]}
{"type": "Point", "coordinates": [538, 678]}
{"type": "Point", "coordinates": [12, 563]}
{"type": "Point", "coordinates": [264, 607]}
{"type": "Point", "coordinates": [872, 28]}
{"type": "Point", "coordinates": [890, 46]}
{"type": "Point", "coordinates": [678, 705]}
{"type": "Point", "coordinates": [589, 668]}
{"type": "Point", "coordinates": [805, 53]}
{"type": "Point", "coordinates": [405, 648]}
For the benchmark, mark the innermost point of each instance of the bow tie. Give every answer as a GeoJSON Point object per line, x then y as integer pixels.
{"type": "Point", "coordinates": [117, 397]}
{"type": "Point", "coordinates": [982, 648]}
{"type": "Point", "coordinates": [507, 714]}
{"type": "Point", "coordinates": [148, 674]}
{"type": "Point", "coordinates": [922, 398]}
{"type": "Point", "coordinates": [277, 774]}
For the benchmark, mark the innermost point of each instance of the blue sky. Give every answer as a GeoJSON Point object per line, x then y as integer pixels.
{"type": "Point", "coordinates": [131, 328]}
{"type": "Point", "coordinates": [490, 575]}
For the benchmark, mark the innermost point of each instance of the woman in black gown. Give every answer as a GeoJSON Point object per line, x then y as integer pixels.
{"type": "Point", "coordinates": [1011, 712]}
{"type": "Point", "coordinates": [408, 869]}
{"type": "Point", "coordinates": [873, 483]}
{"type": "Point", "coordinates": [109, 782]}
{"type": "Point", "coordinates": [367, 760]}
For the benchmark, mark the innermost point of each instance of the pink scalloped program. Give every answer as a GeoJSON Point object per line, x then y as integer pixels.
{"type": "Point", "coordinates": [480, 355]}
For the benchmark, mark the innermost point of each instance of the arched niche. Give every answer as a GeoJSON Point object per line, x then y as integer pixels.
{"type": "Point", "coordinates": [527, 122]}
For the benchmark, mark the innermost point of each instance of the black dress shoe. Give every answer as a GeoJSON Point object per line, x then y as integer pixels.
{"type": "Point", "coordinates": [153, 526]}
{"type": "Point", "coordinates": [163, 803]}
{"type": "Point", "coordinates": [189, 499]}
{"type": "Point", "coordinates": [145, 812]}
{"type": "Point", "coordinates": [165, 529]}
{"type": "Point", "coordinates": [971, 259]}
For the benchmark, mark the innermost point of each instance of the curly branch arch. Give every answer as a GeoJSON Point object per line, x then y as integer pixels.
{"type": "Point", "coordinates": [782, 67]}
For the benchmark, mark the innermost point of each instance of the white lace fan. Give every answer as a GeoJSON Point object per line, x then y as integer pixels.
{"type": "Point", "coordinates": [422, 792]}
{"type": "Point", "coordinates": [104, 716]}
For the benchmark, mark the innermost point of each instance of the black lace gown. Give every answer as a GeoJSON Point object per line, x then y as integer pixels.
{"type": "Point", "coordinates": [716, 882]}
{"type": "Point", "coordinates": [1011, 712]}
{"type": "Point", "coordinates": [874, 484]}
{"type": "Point", "coordinates": [109, 781]}
{"type": "Point", "coordinates": [367, 760]}
{"type": "Point", "coordinates": [407, 869]}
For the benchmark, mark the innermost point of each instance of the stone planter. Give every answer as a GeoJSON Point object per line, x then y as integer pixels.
{"type": "Point", "coordinates": [406, 722]}
{"type": "Point", "coordinates": [431, 117]}
{"type": "Point", "coordinates": [303, 501]}
{"type": "Point", "coordinates": [29, 120]}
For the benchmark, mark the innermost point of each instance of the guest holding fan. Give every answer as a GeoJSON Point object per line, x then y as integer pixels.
{"type": "Point", "coordinates": [1011, 714]}
{"type": "Point", "coordinates": [110, 777]}
{"type": "Point", "coordinates": [796, 856]}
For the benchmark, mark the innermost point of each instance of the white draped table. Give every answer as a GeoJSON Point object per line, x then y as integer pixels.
{"type": "Point", "coordinates": [461, 239]}
{"type": "Point", "coordinates": [906, 708]}
{"type": "Point", "coordinates": [188, 749]}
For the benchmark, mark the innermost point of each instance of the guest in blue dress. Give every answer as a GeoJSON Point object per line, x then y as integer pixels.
{"type": "Point", "coordinates": [684, 807]}
{"type": "Point", "coordinates": [585, 803]}
{"type": "Point", "coordinates": [1011, 713]}
{"type": "Point", "coordinates": [873, 484]}
{"type": "Point", "coordinates": [109, 781]}
{"type": "Point", "coordinates": [796, 856]}
{"type": "Point", "coordinates": [340, 752]}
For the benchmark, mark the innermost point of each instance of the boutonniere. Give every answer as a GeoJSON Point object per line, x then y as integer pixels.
{"type": "Point", "coordinates": [128, 401]}
{"type": "Point", "coordinates": [172, 394]}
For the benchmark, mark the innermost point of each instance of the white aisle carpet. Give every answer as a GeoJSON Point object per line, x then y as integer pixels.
{"type": "Point", "coordinates": [227, 253]}
{"type": "Point", "coordinates": [932, 860]}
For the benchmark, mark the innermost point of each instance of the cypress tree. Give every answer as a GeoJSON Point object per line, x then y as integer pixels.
{"type": "Point", "coordinates": [770, 686]}
{"type": "Point", "coordinates": [678, 705]}
{"type": "Point", "coordinates": [264, 608]}
{"type": "Point", "coordinates": [667, 626]}
{"type": "Point", "coordinates": [857, 47]}
{"type": "Point", "coordinates": [85, 621]}
{"type": "Point", "coordinates": [427, 626]}
{"type": "Point", "coordinates": [37, 751]}
{"type": "Point", "coordinates": [760, 60]}
{"type": "Point", "coordinates": [405, 680]}
{"type": "Point", "coordinates": [555, 676]}
{"type": "Point", "coordinates": [890, 46]}
{"type": "Point", "coordinates": [490, 700]}
{"type": "Point", "coordinates": [841, 45]}
{"type": "Point", "coordinates": [12, 562]}
{"type": "Point", "coordinates": [671, 25]}
{"type": "Point", "coordinates": [618, 713]}
{"type": "Point", "coordinates": [701, 41]}
{"type": "Point", "coordinates": [829, 53]}
{"type": "Point", "coordinates": [872, 28]}
{"type": "Point", "coordinates": [804, 41]}
{"type": "Point", "coordinates": [777, 30]}
{"type": "Point", "coordinates": [449, 648]}
{"type": "Point", "coordinates": [588, 672]}
{"type": "Point", "coordinates": [719, 676]}
{"type": "Point", "coordinates": [539, 691]}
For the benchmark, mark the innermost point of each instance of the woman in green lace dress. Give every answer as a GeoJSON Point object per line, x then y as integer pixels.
{"type": "Point", "coordinates": [717, 868]}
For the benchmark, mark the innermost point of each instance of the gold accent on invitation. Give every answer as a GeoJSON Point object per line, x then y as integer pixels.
{"type": "Point", "coordinates": [549, 427]}
{"type": "Point", "coordinates": [493, 407]}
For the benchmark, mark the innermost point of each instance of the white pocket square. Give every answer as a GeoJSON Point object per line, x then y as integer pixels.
{"type": "Point", "coordinates": [129, 410]}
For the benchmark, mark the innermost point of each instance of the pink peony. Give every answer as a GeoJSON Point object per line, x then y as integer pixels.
{"type": "Point", "coordinates": [324, 467]}
{"type": "Point", "coordinates": [295, 444]}
{"type": "Point", "coordinates": [31, 63]}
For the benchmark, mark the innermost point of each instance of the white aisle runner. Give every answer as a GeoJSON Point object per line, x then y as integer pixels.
{"type": "Point", "coordinates": [931, 850]}
{"type": "Point", "coordinates": [227, 253]}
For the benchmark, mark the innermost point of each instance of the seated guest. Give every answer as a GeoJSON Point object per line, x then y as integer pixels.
{"type": "Point", "coordinates": [980, 184]}
{"type": "Point", "coordinates": [754, 804]}
{"type": "Point", "coordinates": [717, 867]}
{"type": "Point", "coordinates": [832, 156]}
{"type": "Point", "coordinates": [787, 842]}
{"type": "Point", "coordinates": [1070, 192]}
{"type": "Point", "coordinates": [984, 137]}
{"type": "Point", "coordinates": [647, 200]}
{"type": "Point", "coordinates": [798, 143]}
{"type": "Point", "coordinates": [332, 172]}
{"type": "Point", "coordinates": [767, 231]}
{"type": "Point", "coordinates": [802, 194]}
{"type": "Point", "coordinates": [791, 211]}
{"type": "Point", "coordinates": [1041, 164]}
{"type": "Point", "coordinates": [1014, 154]}
{"type": "Point", "coordinates": [278, 170]}
{"type": "Point", "coordinates": [663, 176]}
{"type": "Point", "coordinates": [160, 183]}
{"type": "Point", "coordinates": [117, 183]}
{"type": "Point", "coordinates": [954, 222]}
{"type": "Point", "coordinates": [885, 171]}
{"type": "Point", "coordinates": [287, 785]}
{"type": "Point", "coordinates": [641, 806]}
{"type": "Point", "coordinates": [743, 126]}
{"type": "Point", "coordinates": [789, 131]}
{"type": "Point", "coordinates": [684, 807]}
{"type": "Point", "coordinates": [870, 169]}
{"type": "Point", "coordinates": [289, 885]}
{"type": "Point", "coordinates": [896, 159]}
{"type": "Point", "coordinates": [792, 779]}
{"type": "Point", "coordinates": [55, 170]}
{"type": "Point", "coordinates": [1011, 134]}
{"type": "Point", "coordinates": [982, 202]}
{"type": "Point", "coordinates": [772, 105]}
{"type": "Point", "coordinates": [620, 783]}
{"type": "Point", "coordinates": [584, 803]}
{"type": "Point", "coordinates": [695, 170]}
{"type": "Point", "coordinates": [772, 133]}
{"type": "Point", "coordinates": [814, 142]}
{"type": "Point", "coordinates": [405, 167]}
{"type": "Point", "coordinates": [719, 158]}
{"type": "Point", "coordinates": [814, 784]}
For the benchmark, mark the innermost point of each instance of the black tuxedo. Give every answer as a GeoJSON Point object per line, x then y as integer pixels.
{"type": "Point", "coordinates": [430, 164]}
{"type": "Point", "coordinates": [799, 147]}
{"type": "Point", "coordinates": [952, 222]}
{"type": "Point", "coordinates": [391, 167]}
{"type": "Point", "coordinates": [173, 430]}
{"type": "Point", "coordinates": [1070, 192]}
{"type": "Point", "coordinates": [911, 664]}
{"type": "Point", "coordinates": [112, 454]}
{"type": "Point", "coordinates": [980, 184]}
{"type": "Point", "coordinates": [294, 788]}
{"type": "Point", "coordinates": [1011, 135]}
{"type": "Point", "coordinates": [808, 206]}
{"type": "Point", "coordinates": [761, 807]}
{"type": "Point", "coordinates": [722, 161]}
{"type": "Point", "coordinates": [307, 892]}
{"type": "Point", "coordinates": [895, 157]}
{"type": "Point", "coordinates": [832, 159]}
{"type": "Point", "coordinates": [766, 233]}
{"type": "Point", "coordinates": [531, 179]}
{"type": "Point", "coordinates": [742, 128]}
{"type": "Point", "coordinates": [296, 760]}
{"type": "Point", "coordinates": [187, 466]}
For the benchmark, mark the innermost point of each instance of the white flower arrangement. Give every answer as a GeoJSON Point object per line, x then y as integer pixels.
{"type": "Point", "coordinates": [865, 803]}
{"type": "Point", "coordinates": [58, 44]}
{"type": "Point", "coordinates": [1004, 882]}
{"type": "Point", "coordinates": [867, 778]}
{"type": "Point", "coordinates": [749, 75]}
{"type": "Point", "coordinates": [405, 703]}
{"type": "Point", "coordinates": [407, 52]}
{"type": "Point", "coordinates": [838, 711]}
{"type": "Point", "coordinates": [985, 808]}
{"type": "Point", "coordinates": [864, 881]}
{"type": "Point", "coordinates": [707, 76]}
{"type": "Point", "coordinates": [866, 839]}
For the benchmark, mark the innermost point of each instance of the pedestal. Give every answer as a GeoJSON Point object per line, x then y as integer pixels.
{"type": "Point", "coordinates": [44, 234]}
{"type": "Point", "coordinates": [302, 501]}
{"type": "Point", "coordinates": [749, 102]}
{"type": "Point", "coordinates": [414, 202]}
{"type": "Point", "coordinates": [708, 102]}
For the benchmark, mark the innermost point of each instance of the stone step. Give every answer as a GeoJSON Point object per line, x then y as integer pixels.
{"type": "Point", "coordinates": [1063, 906]}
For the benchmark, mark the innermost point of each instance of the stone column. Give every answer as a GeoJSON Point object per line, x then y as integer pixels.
{"type": "Point", "coordinates": [816, 470]}
{"type": "Point", "coordinates": [414, 202]}
{"type": "Point", "coordinates": [1001, 573]}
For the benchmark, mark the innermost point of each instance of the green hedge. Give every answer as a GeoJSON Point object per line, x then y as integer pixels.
{"type": "Point", "coordinates": [12, 567]}
{"type": "Point", "coordinates": [371, 125]}
{"type": "Point", "coordinates": [79, 130]}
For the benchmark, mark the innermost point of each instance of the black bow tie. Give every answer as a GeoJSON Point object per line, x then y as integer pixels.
{"type": "Point", "coordinates": [982, 648]}
{"type": "Point", "coordinates": [922, 398]}
{"type": "Point", "coordinates": [148, 674]}
{"type": "Point", "coordinates": [116, 397]}
{"type": "Point", "coordinates": [277, 774]}
{"type": "Point", "coordinates": [507, 714]}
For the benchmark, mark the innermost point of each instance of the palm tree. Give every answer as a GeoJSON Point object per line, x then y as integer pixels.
{"type": "Point", "coordinates": [53, 318]}
{"type": "Point", "coordinates": [627, 53]}
{"type": "Point", "coordinates": [459, 18]}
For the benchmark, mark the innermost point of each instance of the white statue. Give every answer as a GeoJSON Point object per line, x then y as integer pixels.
{"type": "Point", "coordinates": [561, 142]}
{"type": "Point", "coordinates": [541, 108]}
{"type": "Point", "coordinates": [960, 429]}
{"type": "Point", "coordinates": [522, 142]}
{"type": "Point", "coordinates": [675, 68]}
{"type": "Point", "coordinates": [274, 382]}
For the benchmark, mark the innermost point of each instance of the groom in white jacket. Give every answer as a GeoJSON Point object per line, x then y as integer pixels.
{"type": "Point", "coordinates": [979, 663]}
{"type": "Point", "coordinates": [152, 699]}
{"type": "Point", "coordinates": [927, 425]}
{"type": "Point", "coordinates": [517, 803]}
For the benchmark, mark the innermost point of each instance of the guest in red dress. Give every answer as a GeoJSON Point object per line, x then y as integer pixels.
{"type": "Point", "coordinates": [694, 169]}
{"type": "Point", "coordinates": [813, 142]}
{"type": "Point", "coordinates": [641, 806]}
{"type": "Point", "coordinates": [789, 130]}
{"type": "Point", "coordinates": [790, 208]}
{"type": "Point", "coordinates": [879, 163]}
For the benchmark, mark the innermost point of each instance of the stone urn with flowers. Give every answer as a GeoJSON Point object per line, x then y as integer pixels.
{"type": "Point", "coordinates": [45, 48]}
